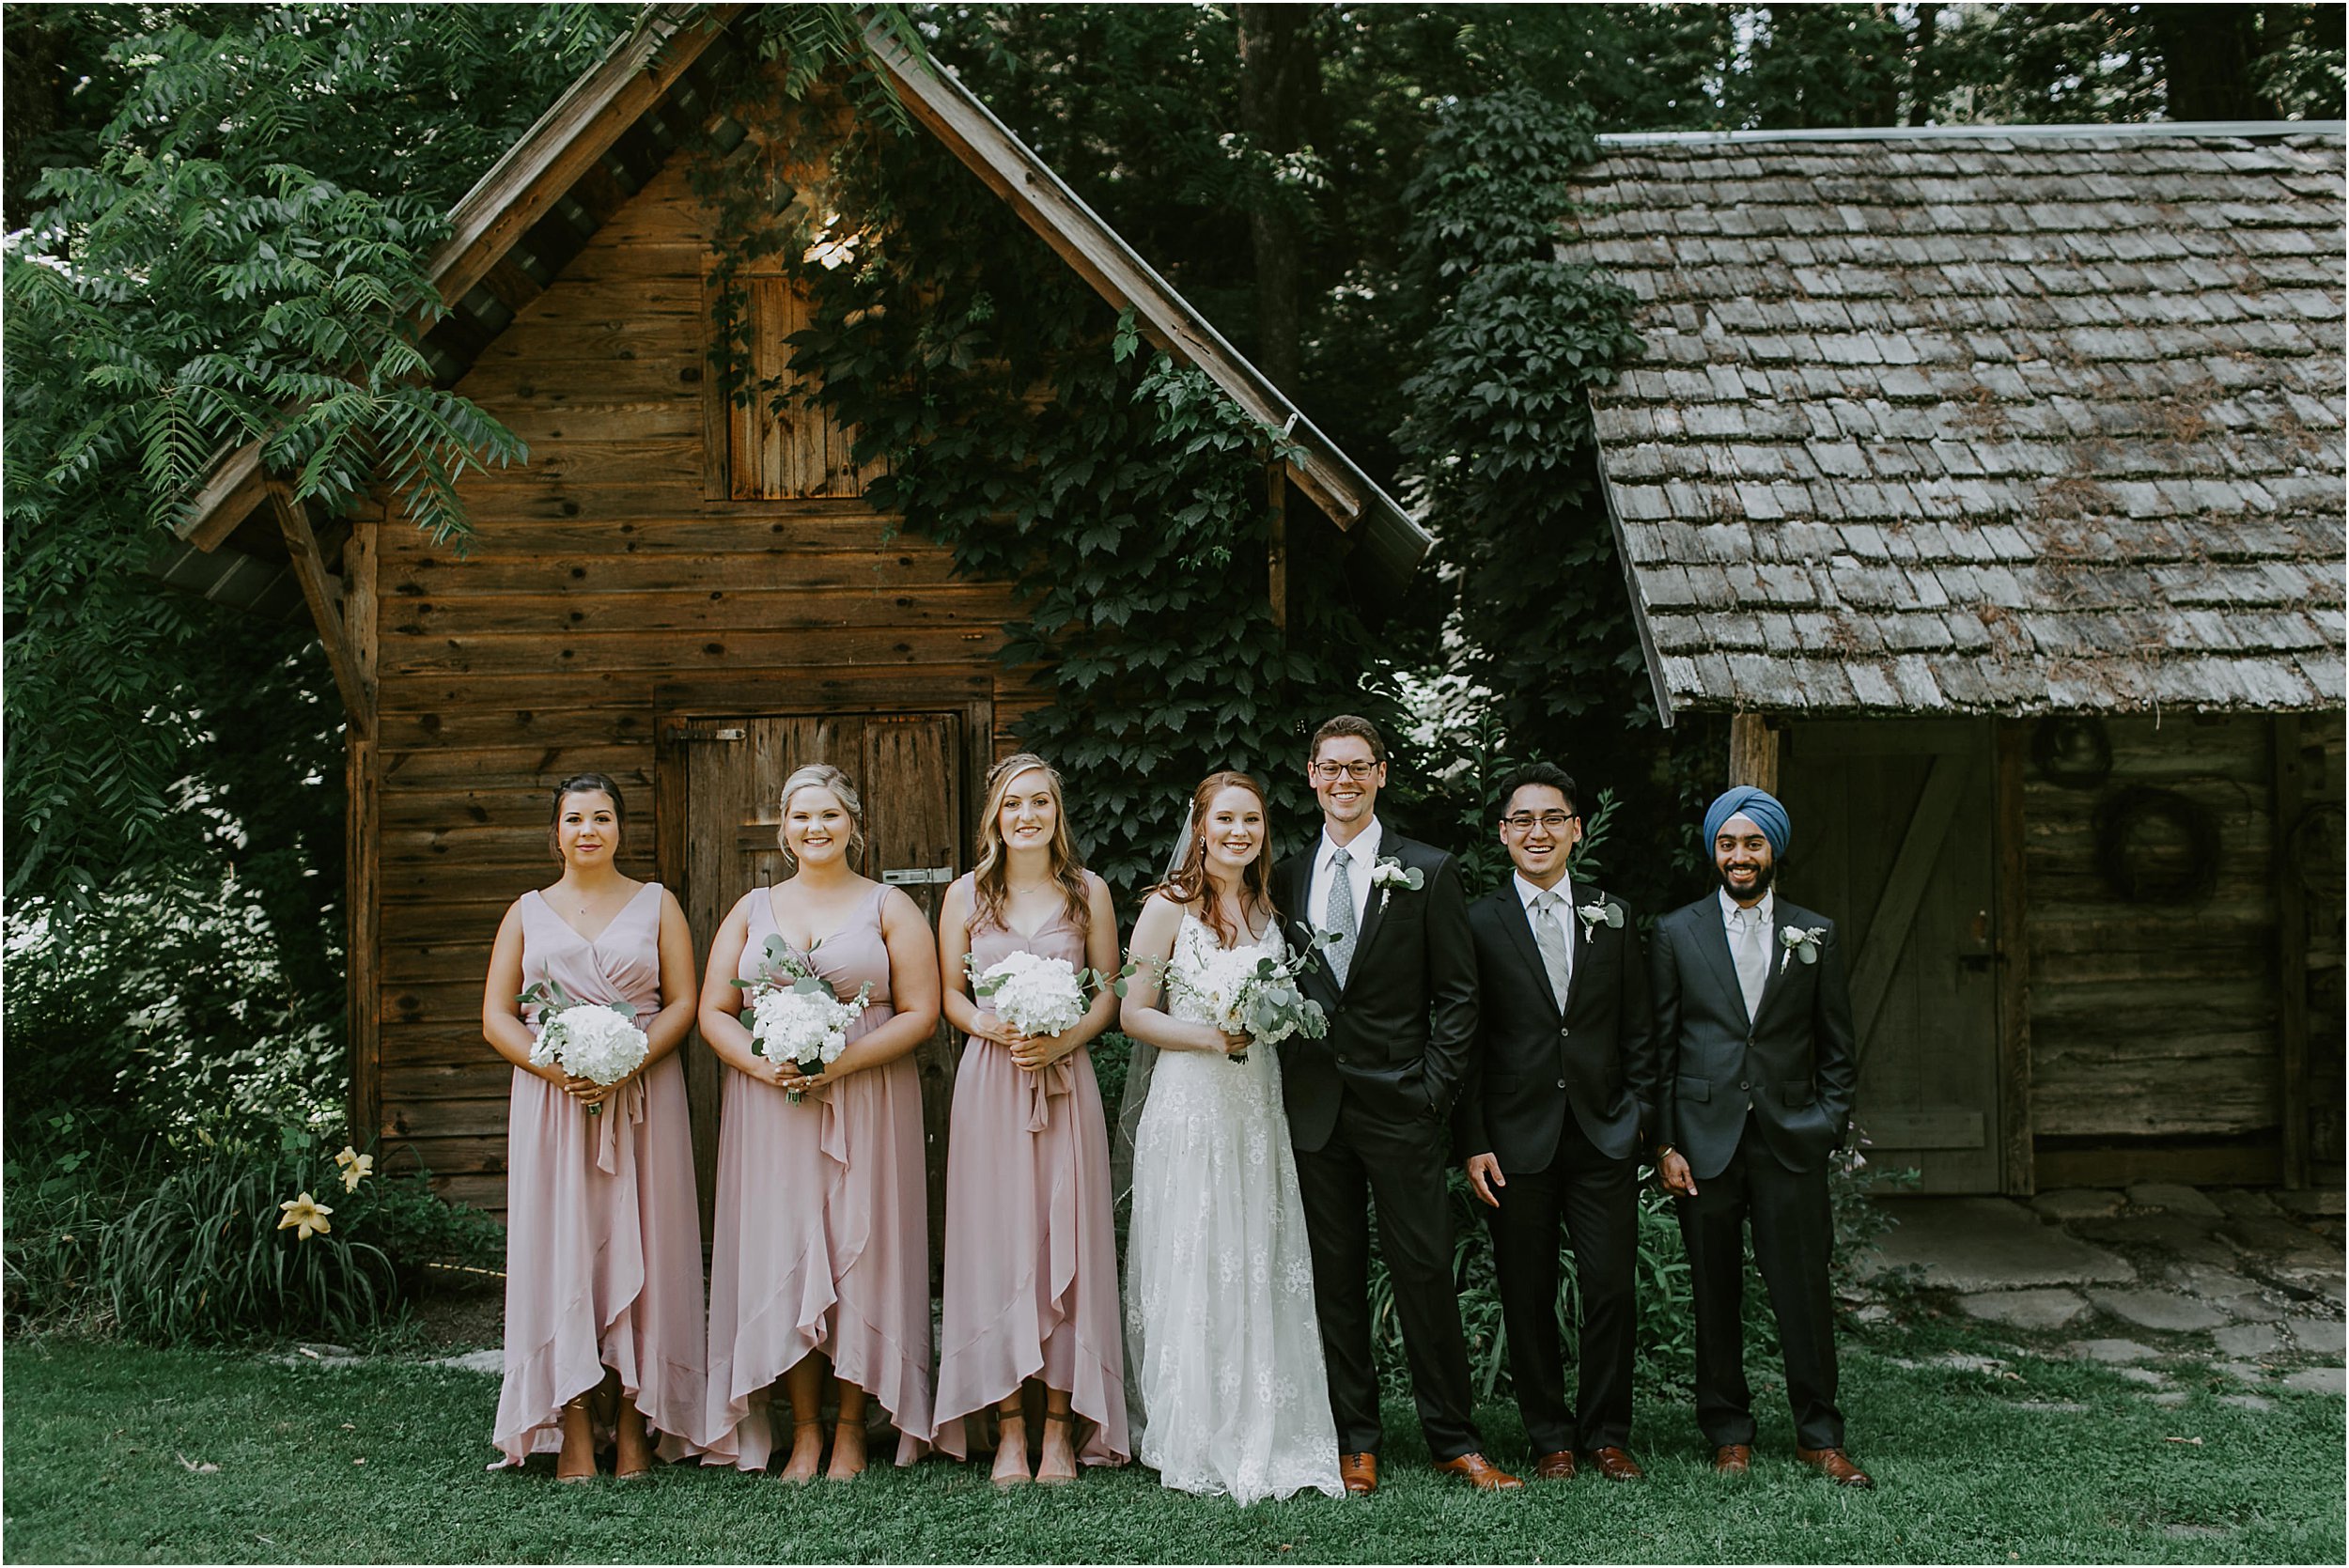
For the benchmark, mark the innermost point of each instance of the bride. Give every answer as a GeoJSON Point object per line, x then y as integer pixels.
{"type": "Point", "coordinates": [1228, 1391]}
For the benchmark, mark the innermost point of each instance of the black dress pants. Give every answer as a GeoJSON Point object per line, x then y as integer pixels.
{"type": "Point", "coordinates": [1794, 1234]}
{"type": "Point", "coordinates": [1597, 1201]}
{"type": "Point", "coordinates": [1402, 1167]}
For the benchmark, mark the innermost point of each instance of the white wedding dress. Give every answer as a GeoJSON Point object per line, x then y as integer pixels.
{"type": "Point", "coordinates": [1229, 1394]}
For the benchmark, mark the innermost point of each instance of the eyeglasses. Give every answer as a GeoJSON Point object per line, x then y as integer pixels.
{"type": "Point", "coordinates": [1523, 821]}
{"type": "Point", "coordinates": [1330, 772]}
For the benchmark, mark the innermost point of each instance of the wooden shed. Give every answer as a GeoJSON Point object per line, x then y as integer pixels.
{"type": "Point", "coordinates": [691, 596]}
{"type": "Point", "coordinates": [1993, 478]}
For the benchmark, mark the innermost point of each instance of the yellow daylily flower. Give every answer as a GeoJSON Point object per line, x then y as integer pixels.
{"type": "Point", "coordinates": [356, 1167]}
{"type": "Point", "coordinates": [307, 1216]}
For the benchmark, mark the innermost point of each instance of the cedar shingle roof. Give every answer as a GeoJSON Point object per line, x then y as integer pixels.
{"type": "Point", "coordinates": [1979, 423]}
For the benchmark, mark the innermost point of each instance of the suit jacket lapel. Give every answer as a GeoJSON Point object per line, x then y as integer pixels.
{"type": "Point", "coordinates": [1581, 935]}
{"type": "Point", "coordinates": [1300, 875]}
{"type": "Point", "coordinates": [1780, 958]}
{"type": "Point", "coordinates": [1518, 921]}
{"type": "Point", "coordinates": [1375, 910]}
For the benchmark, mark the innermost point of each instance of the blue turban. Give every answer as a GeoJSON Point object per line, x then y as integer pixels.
{"type": "Point", "coordinates": [1759, 805]}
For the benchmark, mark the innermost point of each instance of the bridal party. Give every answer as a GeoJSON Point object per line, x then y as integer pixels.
{"type": "Point", "coordinates": [1319, 1044]}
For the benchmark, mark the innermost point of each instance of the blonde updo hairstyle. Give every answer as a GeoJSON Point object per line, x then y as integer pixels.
{"type": "Point", "coordinates": [823, 775]}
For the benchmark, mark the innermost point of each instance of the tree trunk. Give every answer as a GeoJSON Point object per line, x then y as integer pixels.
{"type": "Point", "coordinates": [1924, 71]}
{"type": "Point", "coordinates": [2207, 52]}
{"type": "Point", "coordinates": [1276, 71]}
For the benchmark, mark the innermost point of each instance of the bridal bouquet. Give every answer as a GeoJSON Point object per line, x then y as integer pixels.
{"type": "Point", "coordinates": [1034, 994]}
{"type": "Point", "coordinates": [586, 1039]}
{"type": "Point", "coordinates": [1246, 991]}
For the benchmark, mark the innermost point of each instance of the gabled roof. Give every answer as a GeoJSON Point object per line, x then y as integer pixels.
{"type": "Point", "coordinates": [1983, 419]}
{"type": "Point", "coordinates": [541, 202]}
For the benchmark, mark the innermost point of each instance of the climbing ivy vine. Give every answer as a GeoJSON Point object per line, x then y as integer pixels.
{"type": "Point", "coordinates": [1032, 430]}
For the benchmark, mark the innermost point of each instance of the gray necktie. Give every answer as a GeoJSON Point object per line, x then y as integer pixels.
{"type": "Point", "coordinates": [1753, 960]}
{"type": "Point", "coordinates": [1550, 938]}
{"type": "Point", "coordinates": [1341, 917]}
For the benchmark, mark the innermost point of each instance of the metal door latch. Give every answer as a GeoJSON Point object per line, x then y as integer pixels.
{"type": "Point", "coordinates": [918, 876]}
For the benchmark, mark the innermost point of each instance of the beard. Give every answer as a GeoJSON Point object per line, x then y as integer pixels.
{"type": "Point", "coordinates": [1762, 881]}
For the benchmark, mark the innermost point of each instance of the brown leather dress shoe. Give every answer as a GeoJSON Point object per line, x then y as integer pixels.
{"type": "Point", "coordinates": [1732, 1458]}
{"type": "Point", "coordinates": [1836, 1466]}
{"type": "Point", "coordinates": [1615, 1465]}
{"type": "Point", "coordinates": [1479, 1472]}
{"type": "Point", "coordinates": [1555, 1467]}
{"type": "Point", "coordinates": [1359, 1471]}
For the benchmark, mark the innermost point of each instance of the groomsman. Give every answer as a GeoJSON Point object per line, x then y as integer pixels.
{"type": "Point", "coordinates": [1559, 1093]}
{"type": "Point", "coordinates": [1753, 1014]}
{"type": "Point", "coordinates": [1368, 1104]}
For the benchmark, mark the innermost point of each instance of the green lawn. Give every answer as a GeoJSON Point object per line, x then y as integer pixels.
{"type": "Point", "coordinates": [384, 1461]}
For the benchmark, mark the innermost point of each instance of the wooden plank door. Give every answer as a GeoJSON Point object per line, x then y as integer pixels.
{"type": "Point", "coordinates": [729, 773]}
{"type": "Point", "coordinates": [1893, 838]}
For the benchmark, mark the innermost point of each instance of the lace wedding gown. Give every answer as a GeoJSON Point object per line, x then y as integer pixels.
{"type": "Point", "coordinates": [1224, 1353]}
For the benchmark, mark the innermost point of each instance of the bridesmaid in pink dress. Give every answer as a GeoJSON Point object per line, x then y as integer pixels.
{"type": "Point", "coordinates": [604, 1268]}
{"type": "Point", "coordinates": [1031, 1249]}
{"type": "Point", "coordinates": [822, 1245]}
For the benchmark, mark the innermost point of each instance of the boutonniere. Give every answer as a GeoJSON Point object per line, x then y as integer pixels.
{"type": "Point", "coordinates": [1391, 874]}
{"type": "Point", "coordinates": [1606, 911]}
{"type": "Point", "coordinates": [1800, 942]}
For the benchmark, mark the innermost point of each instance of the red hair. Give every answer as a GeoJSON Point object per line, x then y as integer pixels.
{"type": "Point", "coordinates": [1187, 882]}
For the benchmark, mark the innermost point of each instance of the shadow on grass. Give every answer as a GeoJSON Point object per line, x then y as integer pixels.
{"type": "Point", "coordinates": [2036, 1462]}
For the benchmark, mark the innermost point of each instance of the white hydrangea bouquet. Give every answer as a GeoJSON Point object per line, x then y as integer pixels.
{"type": "Point", "coordinates": [596, 1040]}
{"type": "Point", "coordinates": [1247, 991]}
{"type": "Point", "coordinates": [1034, 994]}
{"type": "Point", "coordinates": [796, 1018]}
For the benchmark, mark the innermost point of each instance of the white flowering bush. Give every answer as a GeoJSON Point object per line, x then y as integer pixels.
{"type": "Point", "coordinates": [1034, 994]}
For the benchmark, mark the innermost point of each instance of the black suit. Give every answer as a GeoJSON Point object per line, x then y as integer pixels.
{"type": "Point", "coordinates": [1757, 1106]}
{"type": "Point", "coordinates": [1367, 1108]}
{"type": "Point", "coordinates": [1559, 1099]}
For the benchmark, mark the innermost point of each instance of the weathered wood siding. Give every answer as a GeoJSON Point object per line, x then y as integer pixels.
{"type": "Point", "coordinates": [2151, 1020]}
{"type": "Point", "coordinates": [603, 590]}
{"type": "Point", "coordinates": [2314, 848]}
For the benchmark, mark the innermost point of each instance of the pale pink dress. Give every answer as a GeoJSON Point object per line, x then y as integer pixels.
{"type": "Point", "coordinates": [821, 1239]}
{"type": "Point", "coordinates": [604, 1247]}
{"type": "Point", "coordinates": [1030, 1247]}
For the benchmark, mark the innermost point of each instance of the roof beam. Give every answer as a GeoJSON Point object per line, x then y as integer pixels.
{"type": "Point", "coordinates": [317, 590]}
{"type": "Point", "coordinates": [570, 138]}
{"type": "Point", "coordinates": [518, 190]}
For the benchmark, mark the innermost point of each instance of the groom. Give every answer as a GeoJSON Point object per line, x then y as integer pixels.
{"type": "Point", "coordinates": [1367, 1104]}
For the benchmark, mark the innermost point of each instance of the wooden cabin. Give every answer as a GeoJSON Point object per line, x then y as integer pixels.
{"type": "Point", "coordinates": [690, 597]}
{"type": "Point", "coordinates": [1993, 479]}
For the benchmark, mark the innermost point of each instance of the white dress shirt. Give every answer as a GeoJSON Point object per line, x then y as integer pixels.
{"type": "Point", "coordinates": [1765, 912]}
{"type": "Point", "coordinates": [1767, 909]}
{"type": "Point", "coordinates": [1361, 855]}
{"type": "Point", "coordinates": [1527, 893]}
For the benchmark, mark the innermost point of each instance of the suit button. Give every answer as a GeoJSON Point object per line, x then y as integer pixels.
{"type": "Point", "coordinates": [1341, 1060]}
{"type": "Point", "coordinates": [1745, 1086]}
{"type": "Point", "coordinates": [1564, 1032]}
{"type": "Point", "coordinates": [1562, 1083]}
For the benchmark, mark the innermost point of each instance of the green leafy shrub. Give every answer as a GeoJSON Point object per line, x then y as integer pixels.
{"type": "Point", "coordinates": [208, 1255]}
{"type": "Point", "coordinates": [63, 1184]}
{"type": "Point", "coordinates": [159, 1015]}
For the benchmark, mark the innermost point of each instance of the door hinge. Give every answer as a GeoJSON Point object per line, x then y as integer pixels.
{"type": "Point", "coordinates": [683, 733]}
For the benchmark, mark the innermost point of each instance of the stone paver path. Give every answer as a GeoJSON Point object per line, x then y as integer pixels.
{"type": "Point", "coordinates": [2245, 1282]}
